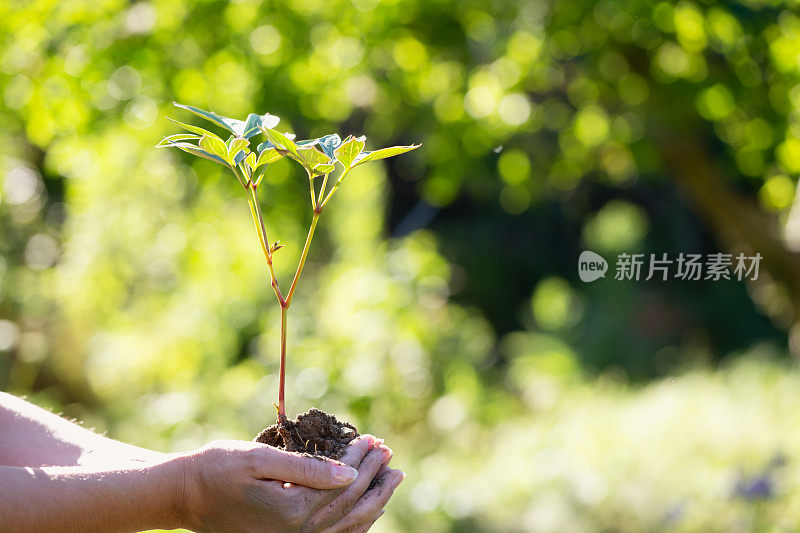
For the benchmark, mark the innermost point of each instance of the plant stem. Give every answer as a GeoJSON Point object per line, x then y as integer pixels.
{"type": "Point", "coordinates": [335, 187]}
{"type": "Point", "coordinates": [274, 283]}
{"type": "Point", "coordinates": [311, 186]}
{"type": "Point", "coordinates": [302, 262]}
{"type": "Point", "coordinates": [322, 189]}
{"type": "Point", "coordinates": [260, 173]}
{"type": "Point", "coordinates": [258, 220]}
{"type": "Point", "coordinates": [255, 212]}
{"type": "Point", "coordinates": [284, 308]}
{"type": "Point", "coordinates": [282, 372]}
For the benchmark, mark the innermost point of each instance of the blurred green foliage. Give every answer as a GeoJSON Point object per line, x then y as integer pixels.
{"type": "Point", "coordinates": [133, 296]}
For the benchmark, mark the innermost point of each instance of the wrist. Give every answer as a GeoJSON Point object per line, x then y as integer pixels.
{"type": "Point", "coordinates": [112, 456]}
{"type": "Point", "coordinates": [185, 490]}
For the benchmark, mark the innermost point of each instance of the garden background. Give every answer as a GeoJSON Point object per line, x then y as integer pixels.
{"type": "Point", "coordinates": [441, 307]}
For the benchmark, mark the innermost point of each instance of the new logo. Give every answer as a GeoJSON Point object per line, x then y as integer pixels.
{"type": "Point", "coordinates": [591, 266]}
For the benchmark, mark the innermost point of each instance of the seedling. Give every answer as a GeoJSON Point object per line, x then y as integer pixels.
{"type": "Point", "coordinates": [320, 159]}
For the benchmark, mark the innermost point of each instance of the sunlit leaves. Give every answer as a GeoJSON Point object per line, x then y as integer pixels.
{"type": "Point", "coordinates": [307, 142]}
{"type": "Point", "coordinates": [270, 155]}
{"type": "Point", "coordinates": [329, 144]}
{"type": "Point", "coordinates": [189, 127]}
{"type": "Point", "coordinates": [281, 141]}
{"type": "Point", "coordinates": [237, 143]}
{"type": "Point", "coordinates": [230, 124]}
{"type": "Point", "coordinates": [239, 157]}
{"type": "Point", "coordinates": [347, 152]}
{"type": "Point", "coordinates": [214, 145]}
{"type": "Point", "coordinates": [254, 123]}
{"type": "Point", "coordinates": [237, 149]}
{"type": "Point", "coordinates": [209, 146]}
{"type": "Point", "coordinates": [245, 129]}
{"type": "Point", "coordinates": [251, 160]}
{"type": "Point", "coordinates": [302, 151]}
{"type": "Point", "coordinates": [351, 152]}
{"type": "Point", "coordinates": [313, 160]}
{"type": "Point", "coordinates": [383, 153]}
{"type": "Point", "coordinates": [267, 153]}
{"type": "Point", "coordinates": [325, 169]}
{"type": "Point", "coordinates": [167, 141]}
{"type": "Point", "coordinates": [194, 150]}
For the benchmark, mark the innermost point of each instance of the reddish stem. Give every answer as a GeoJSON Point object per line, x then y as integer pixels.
{"type": "Point", "coordinates": [282, 371]}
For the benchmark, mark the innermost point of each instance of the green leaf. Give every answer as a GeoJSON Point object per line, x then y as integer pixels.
{"type": "Point", "coordinates": [329, 143]}
{"type": "Point", "coordinates": [280, 141]}
{"type": "Point", "coordinates": [246, 129]}
{"type": "Point", "coordinates": [231, 124]}
{"type": "Point", "coordinates": [383, 153]}
{"type": "Point", "coordinates": [270, 155]}
{"type": "Point", "coordinates": [194, 150]}
{"type": "Point", "coordinates": [325, 169]}
{"type": "Point", "coordinates": [167, 141]}
{"type": "Point", "coordinates": [347, 152]}
{"type": "Point", "coordinates": [307, 142]}
{"type": "Point", "coordinates": [189, 127]}
{"type": "Point", "coordinates": [236, 146]}
{"type": "Point", "coordinates": [266, 144]}
{"type": "Point", "coordinates": [239, 157]}
{"type": "Point", "coordinates": [255, 122]}
{"type": "Point", "coordinates": [214, 145]}
{"type": "Point", "coordinates": [250, 160]}
{"type": "Point", "coordinates": [312, 159]}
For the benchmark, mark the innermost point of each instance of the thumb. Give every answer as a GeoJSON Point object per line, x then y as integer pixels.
{"type": "Point", "coordinates": [313, 472]}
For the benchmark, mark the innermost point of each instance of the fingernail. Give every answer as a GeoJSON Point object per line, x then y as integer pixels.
{"type": "Point", "coordinates": [398, 478]}
{"type": "Point", "coordinates": [387, 454]}
{"type": "Point", "coordinates": [344, 473]}
{"type": "Point", "coordinates": [380, 514]}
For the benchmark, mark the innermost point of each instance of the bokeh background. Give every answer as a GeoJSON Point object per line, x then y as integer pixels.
{"type": "Point", "coordinates": [441, 307]}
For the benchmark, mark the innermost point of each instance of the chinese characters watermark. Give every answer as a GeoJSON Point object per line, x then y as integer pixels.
{"type": "Point", "coordinates": [686, 267]}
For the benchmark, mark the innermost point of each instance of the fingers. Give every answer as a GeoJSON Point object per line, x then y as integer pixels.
{"type": "Point", "coordinates": [344, 502]}
{"type": "Point", "coordinates": [369, 506]}
{"type": "Point", "coordinates": [358, 448]}
{"type": "Point", "coordinates": [377, 497]}
{"type": "Point", "coordinates": [368, 526]}
{"type": "Point", "coordinates": [360, 527]}
{"type": "Point", "coordinates": [315, 472]}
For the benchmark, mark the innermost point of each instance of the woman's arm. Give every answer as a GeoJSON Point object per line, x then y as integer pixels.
{"type": "Point", "coordinates": [38, 499]}
{"type": "Point", "coordinates": [224, 487]}
{"type": "Point", "coordinates": [58, 476]}
{"type": "Point", "coordinates": [32, 436]}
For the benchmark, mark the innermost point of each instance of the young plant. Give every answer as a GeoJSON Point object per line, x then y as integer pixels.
{"type": "Point", "coordinates": [319, 157]}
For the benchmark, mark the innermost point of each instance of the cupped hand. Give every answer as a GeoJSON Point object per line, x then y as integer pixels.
{"type": "Point", "coordinates": [246, 486]}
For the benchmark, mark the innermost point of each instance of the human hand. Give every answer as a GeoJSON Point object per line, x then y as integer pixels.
{"type": "Point", "coordinates": [246, 486]}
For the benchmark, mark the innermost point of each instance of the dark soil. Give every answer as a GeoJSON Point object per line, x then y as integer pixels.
{"type": "Point", "coordinates": [376, 482]}
{"type": "Point", "coordinates": [315, 432]}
